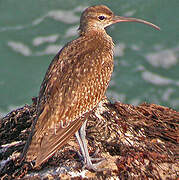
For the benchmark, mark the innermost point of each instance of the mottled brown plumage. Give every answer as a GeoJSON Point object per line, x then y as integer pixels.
{"type": "Point", "coordinates": [74, 84]}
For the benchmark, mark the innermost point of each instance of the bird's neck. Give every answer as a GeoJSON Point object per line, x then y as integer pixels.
{"type": "Point", "coordinates": [101, 40]}
{"type": "Point", "coordinates": [95, 32]}
{"type": "Point", "coordinates": [90, 28]}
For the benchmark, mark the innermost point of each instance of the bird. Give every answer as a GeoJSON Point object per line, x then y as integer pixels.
{"type": "Point", "coordinates": [73, 86]}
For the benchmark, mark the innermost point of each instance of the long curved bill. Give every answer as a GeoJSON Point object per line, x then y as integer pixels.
{"type": "Point", "coordinates": [117, 19]}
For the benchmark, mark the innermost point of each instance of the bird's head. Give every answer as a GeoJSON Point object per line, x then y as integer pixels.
{"type": "Point", "coordinates": [99, 17]}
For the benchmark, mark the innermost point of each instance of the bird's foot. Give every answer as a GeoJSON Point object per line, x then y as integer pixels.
{"type": "Point", "coordinates": [92, 166]}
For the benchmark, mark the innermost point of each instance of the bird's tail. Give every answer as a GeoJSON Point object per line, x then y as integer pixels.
{"type": "Point", "coordinates": [29, 140]}
{"type": "Point", "coordinates": [52, 142]}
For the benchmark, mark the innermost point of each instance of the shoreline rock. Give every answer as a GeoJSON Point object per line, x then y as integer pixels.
{"type": "Point", "coordinates": [137, 142]}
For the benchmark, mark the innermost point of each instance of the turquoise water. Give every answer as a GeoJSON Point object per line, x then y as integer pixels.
{"type": "Point", "coordinates": [146, 61]}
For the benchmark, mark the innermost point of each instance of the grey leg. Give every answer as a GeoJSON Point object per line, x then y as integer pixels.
{"type": "Point", "coordinates": [80, 135]}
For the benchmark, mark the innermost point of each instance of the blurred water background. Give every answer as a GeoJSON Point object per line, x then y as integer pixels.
{"type": "Point", "coordinates": [146, 61]}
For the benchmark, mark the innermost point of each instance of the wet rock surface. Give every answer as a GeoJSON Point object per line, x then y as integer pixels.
{"type": "Point", "coordinates": [137, 142]}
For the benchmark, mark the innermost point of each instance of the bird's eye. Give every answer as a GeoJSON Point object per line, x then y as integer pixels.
{"type": "Point", "coordinates": [101, 17]}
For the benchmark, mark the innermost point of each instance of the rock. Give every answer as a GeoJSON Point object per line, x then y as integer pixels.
{"type": "Point", "coordinates": [137, 142]}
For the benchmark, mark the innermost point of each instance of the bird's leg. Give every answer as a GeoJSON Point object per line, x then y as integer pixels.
{"type": "Point", "coordinates": [80, 135]}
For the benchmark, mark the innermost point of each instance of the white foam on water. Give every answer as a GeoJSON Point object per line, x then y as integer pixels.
{"type": "Point", "coordinates": [157, 79]}
{"type": "Point", "coordinates": [163, 58]}
{"type": "Point", "coordinates": [38, 20]}
{"type": "Point", "coordinates": [24, 50]}
{"type": "Point", "coordinates": [130, 13]}
{"type": "Point", "coordinates": [72, 31]}
{"type": "Point", "coordinates": [68, 17]}
{"type": "Point", "coordinates": [50, 49]}
{"type": "Point", "coordinates": [40, 40]}
{"type": "Point", "coordinates": [20, 27]}
{"type": "Point", "coordinates": [116, 96]}
{"type": "Point", "coordinates": [119, 49]}
{"type": "Point", "coordinates": [9, 28]}
{"type": "Point", "coordinates": [167, 94]}
{"type": "Point", "coordinates": [135, 47]}
{"type": "Point", "coordinates": [20, 48]}
{"type": "Point", "coordinates": [80, 8]}
{"type": "Point", "coordinates": [140, 68]}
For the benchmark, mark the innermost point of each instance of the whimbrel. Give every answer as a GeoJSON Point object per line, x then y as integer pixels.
{"type": "Point", "coordinates": [74, 84]}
